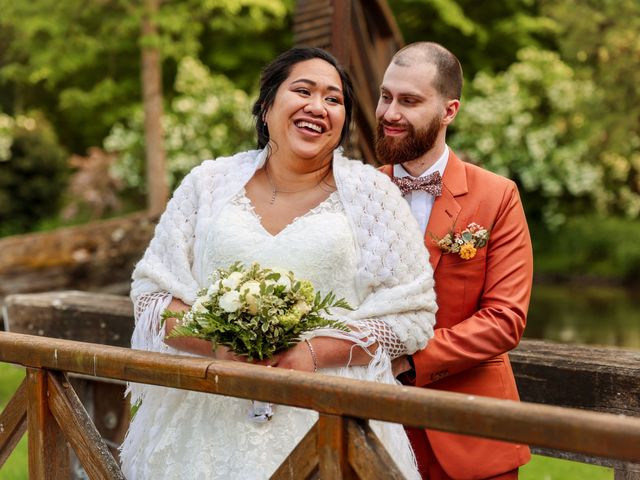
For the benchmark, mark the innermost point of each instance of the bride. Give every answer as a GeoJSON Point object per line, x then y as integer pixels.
{"type": "Point", "coordinates": [296, 204]}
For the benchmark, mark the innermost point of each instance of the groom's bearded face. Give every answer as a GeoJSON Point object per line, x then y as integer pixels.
{"type": "Point", "coordinates": [392, 150]}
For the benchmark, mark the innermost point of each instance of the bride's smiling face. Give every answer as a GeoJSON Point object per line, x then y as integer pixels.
{"type": "Point", "coordinates": [308, 112]}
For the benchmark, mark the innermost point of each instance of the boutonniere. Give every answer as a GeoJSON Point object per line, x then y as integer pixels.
{"type": "Point", "coordinates": [465, 243]}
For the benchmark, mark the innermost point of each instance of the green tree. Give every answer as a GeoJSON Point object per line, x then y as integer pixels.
{"type": "Point", "coordinates": [80, 63]}
{"type": "Point", "coordinates": [209, 117]}
{"type": "Point", "coordinates": [528, 124]}
{"type": "Point", "coordinates": [599, 39]}
{"type": "Point", "coordinates": [484, 35]}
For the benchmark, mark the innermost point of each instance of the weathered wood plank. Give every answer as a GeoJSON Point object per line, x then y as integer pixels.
{"type": "Point", "coordinates": [588, 377]}
{"type": "Point", "coordinates": [302, 462]}
{"type": "Point", "coordinates": [332, 448]}
{"type": "Point", "coordinates": [316, 6]}
{"type": "Point", "coordinates": [314, 22]}
{"type": "Point", "coordinates": [13, 422]}
{"type": "Point", "coordinates": [623, 475]}
{"type": "Point", "coordinates": [340, 34]}
{"type": "Point", "coordinates": [592, 433]}
{"type": "Point", "coordinates": [48, 454]}
{"type": "Point", "coordinates": [368, 456]}
{"type": "Point", "coordinates": [72, 315]}
{"type": "Point", "coordinates": [89, 256]}
{"type": "Point", "coordinates": [79, 430]}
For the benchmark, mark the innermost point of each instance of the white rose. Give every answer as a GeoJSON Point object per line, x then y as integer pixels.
{"type": "Point", "coordinates": [303, 307]}
{"type": "Point", "coordinates": [253, 295]}
{"type": "Point", "coordinates": [198, 306]}
{"type": "Point", "coordinates": [213, 289]}
{"type": "Point", "coordinates": [230, 301]}
{"type": "Point", "coordinates": [232, 281]}
{"type": "Point", "coordinates": [284, 278]}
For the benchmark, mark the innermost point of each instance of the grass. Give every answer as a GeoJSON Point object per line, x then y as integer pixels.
{"type": "Point", "coordinates": [540, 468]}
{"type": "Point", "coordinates": [546, 468]}
{"type": "Point", "coordinates": [15, 467]}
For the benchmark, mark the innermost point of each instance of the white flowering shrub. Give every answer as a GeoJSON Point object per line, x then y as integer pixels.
{"type": "Point", "coordinates": [528, 124]}
{"type": "Point", "coordinates": [208, 118]}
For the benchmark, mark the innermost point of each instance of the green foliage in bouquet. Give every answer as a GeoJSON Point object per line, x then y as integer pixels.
{"type": "Point", "coordinates": [256, 312]}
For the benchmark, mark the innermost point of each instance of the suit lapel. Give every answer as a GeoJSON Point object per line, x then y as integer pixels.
{"type": "Point", "coordinates": [446, 208]}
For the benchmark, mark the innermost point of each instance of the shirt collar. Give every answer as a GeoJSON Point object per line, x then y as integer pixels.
{"type": "Point", "coordinates": [438, 166]}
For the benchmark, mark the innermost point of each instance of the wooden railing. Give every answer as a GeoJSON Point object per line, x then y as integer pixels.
{"type": "Point", "coordinates": [340, 446]}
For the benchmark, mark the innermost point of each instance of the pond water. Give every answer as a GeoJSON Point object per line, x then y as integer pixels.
{"type": "Point", "coordinates": [586, 315]}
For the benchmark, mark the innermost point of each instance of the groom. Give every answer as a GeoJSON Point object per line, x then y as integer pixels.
{"type": "Point", "coordinates": [476, 232]}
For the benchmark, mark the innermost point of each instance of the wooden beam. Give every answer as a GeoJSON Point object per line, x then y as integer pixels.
{"type": "Point", "coordinates": [332, 448]}
{"type": "Point", "coordinates": [599, 434]}
{"type": "Point", "coordinates": [79, 430]}
{"type": "Point", "coordinates": [72, 315]}
{"type": "Point", "coordinates": [368, 456]}
{"type": "Point", "coordinates": [302, 462]}
{"type": "Point", "coordinates": [48, 453]}
{"type": "Point", "coordinates": [87, 256]}
{"type": "Point", "coordinates": [590, 377]}
{"type": "Point", "coordinates": [13, 422]}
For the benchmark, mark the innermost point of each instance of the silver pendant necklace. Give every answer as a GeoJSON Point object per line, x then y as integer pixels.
{"type": "Point", "coordinates": [275, 190]}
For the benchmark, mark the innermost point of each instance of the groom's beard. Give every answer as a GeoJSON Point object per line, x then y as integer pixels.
{"type": "Point", "coordinates": [414, 144]}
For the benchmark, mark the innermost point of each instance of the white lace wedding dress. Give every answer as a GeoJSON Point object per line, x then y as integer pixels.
{"type": "Point", "coordinates": [177, 434]}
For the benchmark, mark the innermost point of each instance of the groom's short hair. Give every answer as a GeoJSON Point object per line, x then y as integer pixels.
{"type": "Point", "coordinates": [448, 79]}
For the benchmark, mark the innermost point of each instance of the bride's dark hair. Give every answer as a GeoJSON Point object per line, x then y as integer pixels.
{"type": "Point", "coordinates": [277, 72]}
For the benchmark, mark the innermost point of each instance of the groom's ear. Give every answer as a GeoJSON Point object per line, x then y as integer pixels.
{"type": "Point", "coordinates": [451, 108]}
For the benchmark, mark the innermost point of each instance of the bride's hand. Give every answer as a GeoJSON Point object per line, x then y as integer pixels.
{"type": "Point", "coordinates": [225, 353]}
{"type": "Point", "coordinates": [297, 357]}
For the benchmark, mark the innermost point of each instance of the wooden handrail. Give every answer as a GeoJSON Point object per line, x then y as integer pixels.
{"type": "Point", "coordinates": [606, 435]}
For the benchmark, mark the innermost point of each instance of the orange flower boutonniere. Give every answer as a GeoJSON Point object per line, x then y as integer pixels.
{"type": "Point", "coordinates": [465, 243]}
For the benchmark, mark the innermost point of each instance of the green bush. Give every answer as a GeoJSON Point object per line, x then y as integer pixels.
{"type": "Point", "coordinates": [33, 173]}
{"type": "Point", "coordinates": [589, 246]}
{"type": "Point", "coordinates": [527, 124]}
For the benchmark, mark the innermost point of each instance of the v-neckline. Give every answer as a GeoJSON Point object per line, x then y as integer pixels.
{"type": "Point", "coordinates": [252, 210]}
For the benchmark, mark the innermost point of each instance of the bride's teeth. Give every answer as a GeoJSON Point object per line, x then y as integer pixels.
{"type": "Point", "coordinates": [316, 128]}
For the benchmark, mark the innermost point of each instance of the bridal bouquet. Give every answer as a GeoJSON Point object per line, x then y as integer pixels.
{"type": "Point", "coordinates": [256, 311]}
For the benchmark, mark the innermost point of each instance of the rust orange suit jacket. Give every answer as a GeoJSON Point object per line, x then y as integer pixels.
{"type": "Point", "coordinates": [482, 310]}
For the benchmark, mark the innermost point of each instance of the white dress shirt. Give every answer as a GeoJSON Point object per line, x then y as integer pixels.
{"type": "Point", "coordinates": [420, 201]}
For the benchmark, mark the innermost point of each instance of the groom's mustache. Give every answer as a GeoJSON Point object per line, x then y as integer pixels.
{"type": "Point", "coordinates": [394, 125]}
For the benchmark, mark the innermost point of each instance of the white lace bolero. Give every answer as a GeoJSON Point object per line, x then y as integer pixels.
{"type": "Point", "coordinates": [393, 268]}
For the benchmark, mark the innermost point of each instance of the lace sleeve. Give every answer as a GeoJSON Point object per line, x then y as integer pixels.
{"type": "Point", "coordinates": [149, 301]}
{"type": "Point", "coordinates": [387, 338]}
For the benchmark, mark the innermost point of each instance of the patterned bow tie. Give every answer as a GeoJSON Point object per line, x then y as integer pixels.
{"type": "Point", "coordinates": [432, 184]}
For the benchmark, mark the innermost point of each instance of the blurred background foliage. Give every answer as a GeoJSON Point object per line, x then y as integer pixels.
{"type": "Point", "coordinates": [550, 100]}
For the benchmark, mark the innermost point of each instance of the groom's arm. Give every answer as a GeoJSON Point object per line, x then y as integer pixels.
{"type": "Point", "coordinates": [497, 326]}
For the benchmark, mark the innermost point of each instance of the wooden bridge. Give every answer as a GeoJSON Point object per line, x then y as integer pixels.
{"type": "Point", "coordinates": [341, 445]}
{"type": "Point", "coordinates": [72, 392]}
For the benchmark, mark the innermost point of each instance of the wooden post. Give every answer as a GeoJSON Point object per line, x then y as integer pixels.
{"type": "Point", "coordinates": [332, 448]}
{"type": "Point", "coordinates": [302, 462]}
{"type": "Point", "coordinates": [92, 451]}
{"type": "Point", "coordinates": [368, 456]}
{"type": "Point", "coordinates": [48, 453]}
{"type": "Point", "coordinates": [151, 71]}
{"type": "Point", "coordinates": [341, 31]}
